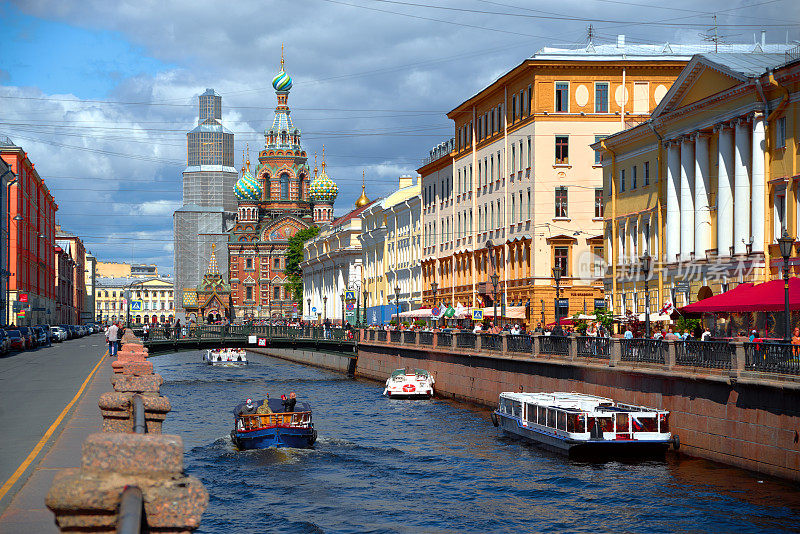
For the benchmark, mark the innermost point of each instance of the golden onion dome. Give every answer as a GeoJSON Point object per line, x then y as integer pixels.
{"type": "Point", "coordinates": [362, 200]}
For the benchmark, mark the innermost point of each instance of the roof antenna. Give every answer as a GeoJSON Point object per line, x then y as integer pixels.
{"type": "Point", "coordinates": [590, 33]}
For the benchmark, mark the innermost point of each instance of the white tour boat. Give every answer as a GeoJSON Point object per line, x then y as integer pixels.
{"type": "Point", "coordinates": [226, 357]}
{"type": "Point", "coordinates": [584, 424]}
{"type": "Point", "coordinates": [407, 384]}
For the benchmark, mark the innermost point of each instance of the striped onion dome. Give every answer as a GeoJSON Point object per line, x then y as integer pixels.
{"type": "Point", "coordinates": [247, 187]}
{"type": "Point", "coordinates": [323, 189]}
{"type": "Point", "coordinates": [282, 81]}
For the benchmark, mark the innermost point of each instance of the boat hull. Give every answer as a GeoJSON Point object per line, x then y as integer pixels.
{"type": "Point", "coordinates": [277, 436]}
{"type": "Point", "coordinates": [590, 449]}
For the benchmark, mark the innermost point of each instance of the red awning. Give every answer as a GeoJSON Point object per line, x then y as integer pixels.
{"type": "Point", "coordinates": [768, 296]}
{"type": "Point", "coordinates": [564, 321]}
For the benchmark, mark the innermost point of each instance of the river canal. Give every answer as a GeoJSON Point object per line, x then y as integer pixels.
{"type": "Point", "coordinates": [384, 465]}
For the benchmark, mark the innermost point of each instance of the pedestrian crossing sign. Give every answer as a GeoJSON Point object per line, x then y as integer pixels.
{"type": "Point", "coordinates": [136, 305]}
{"type": "Point", "coordinates": [349, 295]}
{"type": "Point", "coordinates": [477, 315]}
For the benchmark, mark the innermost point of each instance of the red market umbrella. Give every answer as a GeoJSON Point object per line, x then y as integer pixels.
{"type": "Point", "coordinates": [765, 297]}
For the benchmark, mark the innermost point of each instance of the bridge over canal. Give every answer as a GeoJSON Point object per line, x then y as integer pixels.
{"type": "Point", "coordinates": [166, 339]}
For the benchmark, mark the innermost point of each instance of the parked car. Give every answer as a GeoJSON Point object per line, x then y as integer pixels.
{"type": "Point", "coordinates": [57, 335]}
{"type": "Point", "coordinates": [42, 338]}
{"type": "Point", "coordinates": [27, 334]}
{"type": "Point", "coordinates": [16, 340]}
{"type": "Point", "coordinates": [68, 330]}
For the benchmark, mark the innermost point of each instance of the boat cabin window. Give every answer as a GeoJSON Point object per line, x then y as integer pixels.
{"type": "Point", "coordinates": [541, 416]}
{"type": "Point", "coordinates": [551, 417]}
{"type": "Point", "coordinates": [576, 422]}
{"type": "Point", "coordinates": [530, 413]}
{"type": "Point", "coordinates": [644, 424]}
{"type": "Point", "coordinates": [663, 422]}
{"type": "Point", "coordinates": [606, 424]}
{"type": "Point", "coordinates": [511, 407]}
{"type": "Point", "coordinates": [562, 420]}
{"type": "Point", "coordinates": [623, 423]}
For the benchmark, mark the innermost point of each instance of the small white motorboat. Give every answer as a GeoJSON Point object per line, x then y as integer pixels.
{"type": "Point", "coordinates": [225, 357]}
{"type": "Point", "coordinates": [409, 384]}
{"type": "Point", "coordinates": [584, 425]}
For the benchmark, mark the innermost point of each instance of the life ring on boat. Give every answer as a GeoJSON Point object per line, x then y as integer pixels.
{"type": "Point", "coordinates": [495, 422]}
{"type": "Point", "coordinates": [676, 442]}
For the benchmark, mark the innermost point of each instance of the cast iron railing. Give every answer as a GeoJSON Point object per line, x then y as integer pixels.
{"type": "Point", "coordinates": [394, 336]}
{"type": "Point", "coordinates": [643, 350]}
{"type": "Point", "coordinates": [466, 340]}
{"type": "Point", "coordinates": [710, 354]}
{"type": "Point", "coordinates": [492, 342]}
{"type": "Point", "coordinates": [554, 345]}
{"type": "Point", "coordinates": [426, 338]}
{"type": "Point", "coordinates": [382, 335]}
{"type": "Point", "coordinates": [444, 339]}
{"type": "Point", "coordinates": [772, 357]}
{"type": "Point", "coordinates": [409, 337]}
{"type": "Point", "coordinates": [520, 343]}
{"type": "Point", "coordinates": [593, 346]}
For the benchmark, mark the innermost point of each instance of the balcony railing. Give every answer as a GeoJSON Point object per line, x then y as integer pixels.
{"type": "Point", "coordinates": [594, 347]}
{"type": "Point", "coordinates": [710, 354]}
{"type": "Point", "coordinates": [642, 350]}
{"type": "Point", "coordinates": [772, 357]}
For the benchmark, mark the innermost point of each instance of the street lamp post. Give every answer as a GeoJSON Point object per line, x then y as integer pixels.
{"type": "Point", "coordinates": [324, 308]}
{"type": "Point", "coordinates": [646, 261]}
{"type": "Point", "coordinates": [495, 280]}
{"type": "Point", "coordinates": [397, 303]}
{"type": "Point", "coordinates": [308, 308]}
{"type": "Point", "coordinates": [557, 277]}
{"type": "Point", "coordinates": [343, 304]}
{"type": "Point", "coordinates": [366, 294]}
{"type": "Point", "coordinates": [269, 299]}
{"type": "Point", "coordinates": [434, 287]}
{"type": "Point", "coordinates": [786, 244]}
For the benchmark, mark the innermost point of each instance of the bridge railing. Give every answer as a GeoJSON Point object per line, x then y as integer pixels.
{"type": "Point", "coordinates": [241, 332]}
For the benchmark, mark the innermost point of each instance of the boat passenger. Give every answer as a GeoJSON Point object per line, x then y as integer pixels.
{"type": "Point", "coordinates": [289, 404]}
{"type": "Point", "coordinates": [264, 408]}
{"type": "Point", "coordinates": [249, 408]}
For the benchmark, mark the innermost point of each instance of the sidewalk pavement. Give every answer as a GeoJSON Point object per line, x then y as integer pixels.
{"type": "Point", "coordinates": [27, 512]}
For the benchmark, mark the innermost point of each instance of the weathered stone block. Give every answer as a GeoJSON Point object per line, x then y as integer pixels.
{"type": "Point", "coordinates": [87, 499]}
{"type": "Point", "coordinates": [149, 384]}
{"type": "Point", "coordinates": [117, 411]}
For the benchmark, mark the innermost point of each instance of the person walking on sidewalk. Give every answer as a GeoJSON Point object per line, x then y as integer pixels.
{"type": "Point", "coordinates": [111, 337]}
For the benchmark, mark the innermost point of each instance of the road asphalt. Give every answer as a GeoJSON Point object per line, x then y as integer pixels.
{"type": "Point", "coordinates": [35, 388]}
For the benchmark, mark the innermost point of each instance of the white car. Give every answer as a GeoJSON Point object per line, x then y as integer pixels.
{"type": "Point", "coordinates": [62, 335]}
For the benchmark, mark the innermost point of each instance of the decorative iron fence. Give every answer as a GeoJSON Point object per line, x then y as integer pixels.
{"type": "Point", "coordinates": [444, 339]}
{"type": "Point", "coordinates": [410, 337]}
{"type": "Point", "coordinates": [772, 357]}
{"type": "Point", "coordinates": [594, 347]}
{"type": "Point", "coordinates": [466, 340]}
{"type": "Point", "coordinates": [491, 342]}
{"type": "Point", "coordinates": [711, 354]}
{"type": "Point", "coordinates": [520, 343]}
{"type": "Point", "coordinates": [643, 350]}
{"type": "Point", "coordinates": [382, 335]}
{"type": "Point", "coordinates": [554, 345]}
{"type": "Point", "coordinates": [394, 336]}
{"type": "Point", "coordinates": [426, 338]}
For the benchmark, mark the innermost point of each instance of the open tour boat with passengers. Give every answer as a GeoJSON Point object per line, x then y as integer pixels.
{"type": "Point", "coordinates": [408, 384]}
{"type": "Point", "coordinates": [226, 357]}
{"type": "Point", "coordinates": [579, 424]}
{"type": "Point", "coordinates": [278, 429]}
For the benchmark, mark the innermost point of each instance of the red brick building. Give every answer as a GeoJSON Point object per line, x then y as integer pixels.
{"type": "Point", "coordinates": [31, 223]}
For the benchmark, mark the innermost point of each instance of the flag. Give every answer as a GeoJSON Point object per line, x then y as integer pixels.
{"type": "Point", "coordinates": [460, 310]}
{"type": "Point", "coordinates": [450, 312]}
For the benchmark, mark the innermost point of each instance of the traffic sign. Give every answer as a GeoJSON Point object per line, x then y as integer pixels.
{"type": "Point", "coordinates": [435, 312]}
{"type": "Point", "coordinates": [350, 306]}
{"type": "Point", "coordinates": [294, 306]}
{"type": "Point", "coordinates": [477, 315]}
{"type": "Point", "coordinates": [136, 305]}
{"type": "Point", "coordinates": [314, 309]}
{"type": "Point", "coordinates": [350, 295]}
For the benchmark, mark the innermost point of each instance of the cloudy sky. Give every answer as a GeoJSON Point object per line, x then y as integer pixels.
{"type": "Point", "coordinates": [100, 94]}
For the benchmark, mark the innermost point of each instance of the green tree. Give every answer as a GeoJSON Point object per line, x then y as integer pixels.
{"type": "Point", "coordinates": [605, 317]}
{"type": "Point", "coordinates": [294, 255]}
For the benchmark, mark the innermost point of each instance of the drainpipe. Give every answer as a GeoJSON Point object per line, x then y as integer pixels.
{"type": "Point", "coordinates": [612, 257]}
{"type": "Point", "coordinates": [659, 204]}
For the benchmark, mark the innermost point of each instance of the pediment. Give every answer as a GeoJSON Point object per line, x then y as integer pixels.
{"type": "Point", "coordinates": [700, 79]}
{"type": "Point", "coordinates": [249, 280]}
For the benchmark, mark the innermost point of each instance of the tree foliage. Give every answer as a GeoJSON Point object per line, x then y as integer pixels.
{"type": "Point", "coordinates": [294, 255]}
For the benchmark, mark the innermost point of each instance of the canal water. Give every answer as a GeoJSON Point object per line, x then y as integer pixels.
{"type": "Point", "coordinates": [384, 465]}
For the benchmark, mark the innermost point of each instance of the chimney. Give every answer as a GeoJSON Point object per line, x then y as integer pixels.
{"type": "Point", "coordinates": [621, 41]}
{"type": "Point", "coordinates": [763, 38]}
{"type": "Point", "coordinates": [406, 181]}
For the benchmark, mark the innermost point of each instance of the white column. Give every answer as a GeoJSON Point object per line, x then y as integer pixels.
{"type": "Point", "coordinates": [759, 188]}
{"type": "Point", "coordinates": [673, 222]}
{"type": "Point", "coordinates": [702, 215]}
{"type": "Point", "coordinates": [687, 198]}
{"type": "Point", "coordinates": [725, 160]}
{"type": "Point", "coordinates": [741, 187]}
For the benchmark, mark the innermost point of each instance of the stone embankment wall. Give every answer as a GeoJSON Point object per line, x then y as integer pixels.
{"type": "Point", "coordinates": [735, 416]}
{"type": "Point", "coordinates": [87, 499]}
{"type": "Point", "coordinates": [326, 360]}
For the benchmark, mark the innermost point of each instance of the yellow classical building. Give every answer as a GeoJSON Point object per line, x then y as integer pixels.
{"type": "Point", "coordinates": [521, 192]}
{"type": "Point", "coordinates": [707, 185]}
{"type": "Point", "coordinates": [153, 299]}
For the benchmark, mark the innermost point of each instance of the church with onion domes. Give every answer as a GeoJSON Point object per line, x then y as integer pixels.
{"type": "Point", "coordinates": [277, 196]}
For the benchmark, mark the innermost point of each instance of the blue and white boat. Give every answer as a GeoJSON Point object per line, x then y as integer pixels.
{"type": "Point", "coordinates": [584, 425]}
{"type": "Point", "coordinates": [278, 429]}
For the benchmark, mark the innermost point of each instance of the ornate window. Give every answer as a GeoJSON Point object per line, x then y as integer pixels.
{"type": "Point", "coordinates": [284, 186]}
